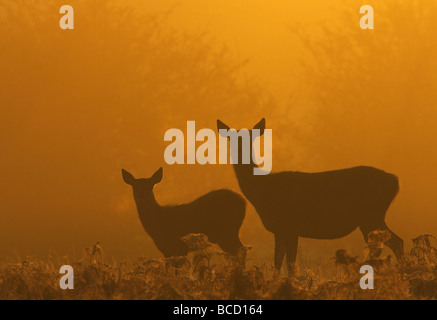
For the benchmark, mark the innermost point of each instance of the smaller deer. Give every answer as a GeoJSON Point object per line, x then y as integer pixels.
{"type": "Point", "coordinates": [217, 214]}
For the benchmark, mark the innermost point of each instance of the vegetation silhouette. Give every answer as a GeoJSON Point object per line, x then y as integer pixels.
{"type": "Point", "coordinates": [321, 205]}
{"type": "Point", "coordinates": [217, 214]}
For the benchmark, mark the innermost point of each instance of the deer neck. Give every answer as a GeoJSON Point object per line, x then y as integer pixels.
{"type": "Point", "coordinates": [148, 208]}
{"type": "Point", "coordinates": [246, 178]}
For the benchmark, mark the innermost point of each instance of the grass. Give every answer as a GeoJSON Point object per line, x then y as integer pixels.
{"type": "Point", "coordinates": [208, 273]}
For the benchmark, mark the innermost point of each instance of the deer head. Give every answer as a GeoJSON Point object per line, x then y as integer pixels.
{"type": "Point", "coordinates": [142, 188]}
{"type": "Point", "coordinates": [244, 153]}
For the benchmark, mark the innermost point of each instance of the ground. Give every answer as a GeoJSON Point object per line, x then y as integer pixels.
{"type": "Point", "coordinates": [208, 273]}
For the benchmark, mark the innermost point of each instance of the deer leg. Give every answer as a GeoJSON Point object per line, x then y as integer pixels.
{"type": "Point", "coordinates": [395, 243]}
{"type": "Point", "coordinates": [291, 251]}
{"type": "Point", "coordinates": [365, 232]}
{"type": "Point", "coordinates": [231, 244]}
{"type": "Point", "coordinates": [279, 252]}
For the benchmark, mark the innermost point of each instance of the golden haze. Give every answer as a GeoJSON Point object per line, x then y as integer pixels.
{"type": "Point", "coordinates": [77, 106]}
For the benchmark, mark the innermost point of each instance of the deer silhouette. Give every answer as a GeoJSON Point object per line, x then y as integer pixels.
{"type": "Point", "coordinates": [217, 214]}
{"type": "Point", "coordinates": [321, 205]}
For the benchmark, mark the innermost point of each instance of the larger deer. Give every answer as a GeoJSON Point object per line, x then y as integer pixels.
{"type": "Point", "coordinates": [218, 214]}
{"type": "Point", "coordinates": [321, 205]}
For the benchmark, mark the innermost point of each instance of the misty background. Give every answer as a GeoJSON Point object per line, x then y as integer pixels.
{"type": "Point", "coordinates": [79, 105]}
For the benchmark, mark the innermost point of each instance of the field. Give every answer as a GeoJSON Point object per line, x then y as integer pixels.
{"type": "Point", "coordinates": [208, 273]}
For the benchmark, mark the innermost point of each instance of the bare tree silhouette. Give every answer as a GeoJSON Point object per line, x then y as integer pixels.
{"type": "Point", "coordinates": [92, 99]}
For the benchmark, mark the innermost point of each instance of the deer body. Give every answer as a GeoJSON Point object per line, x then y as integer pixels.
{"type": "Point", "coordinates": [217, 214]}
{"type": "Point", "coordinates": [322, 205]}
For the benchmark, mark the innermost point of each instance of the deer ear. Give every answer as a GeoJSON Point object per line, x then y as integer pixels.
{"type": "Point", "coordinates": [157, 176]}
{"type": "Point", "coordinates": [221, 126]}
{"type": "Point", "coordinates": [127, 177]}
{"type": "Point", "coordinates": [261, 126]}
